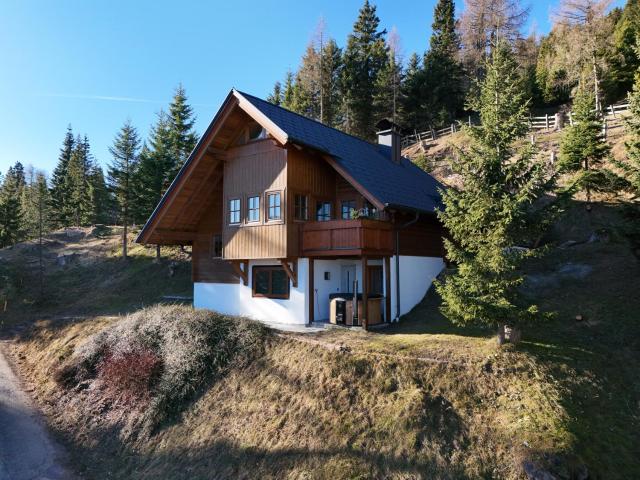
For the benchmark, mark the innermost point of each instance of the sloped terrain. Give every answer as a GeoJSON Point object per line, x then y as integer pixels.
{"type": "Point", "coordinates": [422, 399]}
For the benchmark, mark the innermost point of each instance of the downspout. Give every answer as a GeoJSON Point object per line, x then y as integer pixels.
{"type": "Point", "coordinates": [401, 227]}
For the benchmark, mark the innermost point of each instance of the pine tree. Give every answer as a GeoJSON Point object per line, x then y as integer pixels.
{"type": "Point", "coordinates": [493, 213]}
{"type": "Point", "coordinates": [444, 76]}
{"type": "Point", "coordinates": [182, 134]}
{"type": "Point", "coordinates": [583, 149]}
{"type": "Point", "coordinates": [275, 96]}
{"type": "Point", "coordinates": [79, 200]}
{"type": "Point", "coordinates": [59, 185]}
{"type": "Point", "coordinates": [35, 205]}
{"type": "Point", "coordinates": [100, 199]}
{"type": "Point", "coordinates": [331, 89]}
{"type": "Point", "coordinates": [413, 109]}
{"type": "Point", "coordinates": [121, 171]}
{"type": "Point", "coordinates": [364, 58]}
{"type": "Point", "coordinates": [10, 211]}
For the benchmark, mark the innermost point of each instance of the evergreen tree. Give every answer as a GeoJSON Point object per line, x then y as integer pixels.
{"type": "Point", "coordinates": [59, 182]}
{"type": "Point", "coordinates": [121, 171]}
{"type": "Point", "coordinates": [154, 173]}
{"type": "Point", "coordinates": [583, 149]}
{"type": "Point", "coordinates": [79, 204]}
{"type": "Point", "coordinates": [100, 199]}
{"type": "Point", "coordinates": [631, 167]}
{"type": "Point", "coordinates": [289, 91]}
{"type": "Point", "coordinates": [35, 205]}
{"type": "Point", "coordinates": [275, 96]}
{"type": "Point", "coordinates": [386, 99]}
{"type": "Point", "coordinates": [364, 58]}
{"type": "Point", "coordinates": [493, 213]}
{"type": "Point", "coordinates": [413, 109]}
{"type": "Point", "coordinates": [10, 211]}
{"type": "Point", "coordinates": [331, 90]}
{"type": "Point", "coordinates": [444, 77]}
{"type": "Point", "coordinates": [183, 136]}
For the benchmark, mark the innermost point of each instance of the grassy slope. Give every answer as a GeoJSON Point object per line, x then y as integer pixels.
{"type": "Point", "coordinates": [422, 399]}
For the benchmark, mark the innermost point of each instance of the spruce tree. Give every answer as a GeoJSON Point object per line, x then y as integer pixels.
{"type": "Point", "coordinates": [10, 209]}
{"type": "Point", "coordinates": [100, 199]}
{"type": "Point", "coordinates": [59, 182]}
{"type": "Point", "coordinates": [583, 149]}
{"type": "Point", "coordinates": [386, 99]}
{"type": "Point", "coordinates": [289, 91]}
{"type": "Point", "coordinates": [35, 205]}
{"type": "Point", "coordinates": [331, 88]}
{"type": "Point", "coordinates": [275, 96]}
{"type": "Point", "coordinates": [493, 212]}
{"type": "Point", "coordinates": [182, 133]}
{"type": "Point", "coordinates": [444, 77]}
{"type": "Point", "coordinates": [364, 58]}
{"type": "Point", "coordinates": [631, 167]}
{"type": "Point", "coordinates": [121, 171]}
{"type": "Point", "coordinates": [79, 203]}
{"type": "Point", "coordinates": [413, 110]}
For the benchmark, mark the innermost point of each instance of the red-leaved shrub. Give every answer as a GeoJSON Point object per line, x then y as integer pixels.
{"type": "Point", "coordinates": [130, 376]}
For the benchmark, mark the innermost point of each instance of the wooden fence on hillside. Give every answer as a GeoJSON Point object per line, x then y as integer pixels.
{"type": "Point", "coordinates": [546, 122]}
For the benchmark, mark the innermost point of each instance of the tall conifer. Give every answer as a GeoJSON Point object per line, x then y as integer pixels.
{"type": "Point", "coordinates": [182, 134]}
{"type": "Point", "coordinates": [59, 182]}
{"type": "Point", "coordinates": [493, 213]}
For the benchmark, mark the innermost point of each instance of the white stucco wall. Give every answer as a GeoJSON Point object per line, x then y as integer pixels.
{"type": "Point", "coordinates": [237, 299]}
{"type": "Point", "coordinates": [416, 276]}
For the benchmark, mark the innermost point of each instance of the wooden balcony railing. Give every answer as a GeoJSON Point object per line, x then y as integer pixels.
{"type": "Point", "coordinates": [346, 238]}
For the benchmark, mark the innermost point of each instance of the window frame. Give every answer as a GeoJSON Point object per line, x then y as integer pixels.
{"type": "Point", "coordinates": [295, 207]}
{"type": "Point", "coordinates": [353, 206]}
{"type": "Point", "coordinates": [269, 268]}
{"type": "Point", "coordinates": [267, 206]}
{"type": "Point", "coordinates": [249, 209]}
{"type": "Point", "coordinates": [215, 239]}
{"type": "Point", "coordinates": [330, 203]}
{"type": "Point", "coordinates": [230, 211]}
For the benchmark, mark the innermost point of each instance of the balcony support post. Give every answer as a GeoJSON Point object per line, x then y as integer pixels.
{"type": "Point", "coordinates": [365, 292]}
{"type": "Point", "coordinates": [311, 292]}
{"type": "Point", "coordinates": [387, 289]}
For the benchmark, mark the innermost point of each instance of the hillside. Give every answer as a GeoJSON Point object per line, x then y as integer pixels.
{"type": "Point", "coordinates": [423, 399]}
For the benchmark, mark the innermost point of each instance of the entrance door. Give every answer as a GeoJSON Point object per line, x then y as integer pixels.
{"type": "Point", "coordinates": [375, 279]}
{"type": "Point", "coordinates": [348, 275]}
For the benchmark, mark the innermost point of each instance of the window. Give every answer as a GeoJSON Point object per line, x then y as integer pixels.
{"type": "Point", "coordinates": [216, 246]}
{"type": "Point", "coordinates": [348, 206]}
{"type": "Point", "coordinates": [253, 215]}
{"type": "Point", "coordinates": [234, 210]}
{"type": "Point", "coordinates": [301, 207]}
{"type": "Point", "coordinates": [369, 210]}
{"type": "Point", "coordinates": [273, 200]}
{"type": "Point", "coordinates": [270, 282]}
{"type": "Point", "coordinates": [256, 132]}
{"type": "Point", "coordinates": [323, 211]}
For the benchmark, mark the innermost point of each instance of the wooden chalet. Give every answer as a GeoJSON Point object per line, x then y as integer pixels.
{"type": "Point", "coordinates": [287, 218]}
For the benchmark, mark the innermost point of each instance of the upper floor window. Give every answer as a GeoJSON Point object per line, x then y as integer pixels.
{"type": "Point", "coordinates": [274, 206]}
{"type": "Point", "coordinates": [348, 207]}
{"type": "Point", "coordinates": [253, 214]}
{"type": "Point", "coordinates": [301, 207]}
{"type": "Point", "coordinates": [256, 132]}
{"type": "Point", "coordinates": [234, 210]}
{"type": "Point", "coordinates": [216, 246]}
{"type": "Point", "coordinates": [369, 210]}
{"type": "Point", "coordinates": [323, 211]}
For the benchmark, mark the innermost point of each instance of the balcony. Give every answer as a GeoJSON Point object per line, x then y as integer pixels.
{"type": "Point", "coordinates": [346, 238]}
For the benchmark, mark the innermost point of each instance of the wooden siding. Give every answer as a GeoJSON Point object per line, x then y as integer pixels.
{"type": "Point", "coordinates": [347, 237]}
{"type": "Point", "coordinates": [205, 268]}
{"type": "Point", "coordinates": [254, 169]}
{"type": "Point", "coordinates": [424, 238]}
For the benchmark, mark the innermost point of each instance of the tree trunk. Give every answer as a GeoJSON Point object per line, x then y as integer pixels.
{"type": "Point", "coordinates": [501, 335]}
{"type": "Point", "coordinates": [158, 253]}
{"type": "Point", "coordinates": [124, 241]}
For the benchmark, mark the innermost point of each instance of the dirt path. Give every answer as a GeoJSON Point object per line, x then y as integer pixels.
{"type": "Point", "coordinates": [27, 451]}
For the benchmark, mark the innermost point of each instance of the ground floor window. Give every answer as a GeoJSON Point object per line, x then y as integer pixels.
{"type": "Point", "coordinates": [270, 282]}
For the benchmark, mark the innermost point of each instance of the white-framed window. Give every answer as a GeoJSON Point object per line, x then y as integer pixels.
{"type": "Point", "coordinates": [234, 211]}
{"type": "Point", "coordinates": [253, 209]}
{"type": "Point", "coordinates": [274, 206]}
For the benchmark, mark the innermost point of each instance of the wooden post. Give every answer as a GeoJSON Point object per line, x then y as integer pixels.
{"type": "Point", "coordinates": [365, 293]}
{"type": "Point", "coordinates": [546, 120]}
{"type": "Point", "coordinates": [469, 120]}
{"type": "Point", "coordinates": [387, 289]}
{"type": "Point", "coordinates": [604, 127]}
{"type": "Point", "coordinates": [613, 112]}
{"type": "Point", "coordinates": [311, 293]}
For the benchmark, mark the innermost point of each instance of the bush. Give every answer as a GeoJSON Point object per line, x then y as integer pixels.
{"type": "Point", "coordinates": [130, 376]}
{"type": "Point", "coordinates": [173, 351]}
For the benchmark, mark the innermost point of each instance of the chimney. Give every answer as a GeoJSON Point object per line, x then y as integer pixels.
{"type": "Point", "coordinates": [389, 135]}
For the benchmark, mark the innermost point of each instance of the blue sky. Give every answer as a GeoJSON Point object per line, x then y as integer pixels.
{"type": "Point", "coordinates": [93, 64]}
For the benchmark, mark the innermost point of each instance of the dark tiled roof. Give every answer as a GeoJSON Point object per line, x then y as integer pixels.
{"type": "Point", "coordinates": [402, 184]}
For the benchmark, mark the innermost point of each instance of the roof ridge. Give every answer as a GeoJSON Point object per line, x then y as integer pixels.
{"type": "Point", "coordinates": [309, 119]}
